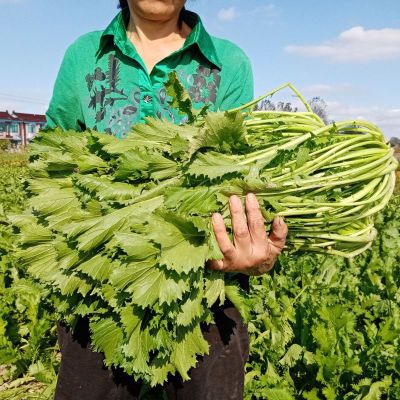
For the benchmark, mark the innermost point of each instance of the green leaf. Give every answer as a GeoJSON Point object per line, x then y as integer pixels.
{"type": "Point", "coordinates": [105, 189]}
{"type": "Point", "coordinates": [183, 246]}
{"type": "Point", "coordinates": [103, 229]}
{"type": "Point", "coordinates": [179, 147]}
{"type": "Point", "coordinates": [292, 356]}
{"type": "Point", "coordinates": [55, 201]}
{"type": "Point", "coordinates": [160, 372]}
{"type": "Point", "coordinates": [214, 288]}
{"type": "Point", "coordinates": [179, 97]}
{"type": "Point", "coordinates": [172, 291]}
{"type": "Point", "coordinates": [147, 283]}
{"type": "Point", "coordinates": [278, 394]}
{"type": "Point", "coordinates": [311, 395]}
{"type": "Point", "coordinates": [302, 156]}
{"type": "Point", "coordinates": [239, 299]}
{"type": "Point", "coordinates": [131, 318]}
{"type": "Point", "coordinates": [41, 261]}
{"type": "Point", "coordinates": [90, 163]}
{"type": "Point", "coordinates": [133, 164]}
{"type": "Point", "coordinates": [329, 393]}
{"type": "Point", "coordinates": [161, 167]}
{"type": "Point", "coordinates": [34, 234]}
{"type": "Point", "coordinates": [67, 257]}
{"type": "Point", "coordinates": [378, 388]}
{"type": "Point", "coordinates": [222, 131]}
{"type": "Point", "coordinates": [191, 309]}
{"type": "Point", "coordinates": [70, 284]}
{"type": "Point", "coordinates": [188, 346]}
{"type": "Point", "coordinates": [214, 165]}
{"type": "Point", "coordinates": [98, 268]}
{"type": "Point", "coordinates": [106, 337]}
{"type": "Point", "coordinates": [138, 349]}
{"type": "Point", "coordinates": [61, 163]}
{"type": "Point", "coordinates": [200, 200]}
{"type": "Point", "coordinates": [136, 246]}
{"type": "Point", "coordinates": [39, 185]}
{"type": "Point", "coordinates": [157, 134]}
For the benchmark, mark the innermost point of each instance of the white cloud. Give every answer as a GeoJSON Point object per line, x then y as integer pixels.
{"type": "Point", "coordinates": [268, 9]}
{"type": "Point", "coordinates": [355, 45]}
{"type": "Point", "coordinates": [228, 14]}
{"type": "Point", "coordinates": [387, 119]}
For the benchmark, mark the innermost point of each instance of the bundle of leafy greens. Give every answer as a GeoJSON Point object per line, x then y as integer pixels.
{"type": "Point", "coordinates": [120, 230]}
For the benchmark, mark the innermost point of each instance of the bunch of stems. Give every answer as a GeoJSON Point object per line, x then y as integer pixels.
{"type": "Point", "coordinates": [328, 200]}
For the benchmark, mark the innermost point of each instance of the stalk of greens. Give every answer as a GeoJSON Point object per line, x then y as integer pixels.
{"type": "Point", "coordinates": [120, 230]}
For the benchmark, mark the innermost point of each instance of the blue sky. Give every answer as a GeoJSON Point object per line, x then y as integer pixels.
{"type": "Point", "coordinates": [347, 52]}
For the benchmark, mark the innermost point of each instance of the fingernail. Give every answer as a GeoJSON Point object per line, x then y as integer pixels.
{"type": "Point", "coordinates": [235, 201]}
{"type": "Point", "coordinates": [217, 217]}
{"type": "Point", "coordinates": [252, 198]}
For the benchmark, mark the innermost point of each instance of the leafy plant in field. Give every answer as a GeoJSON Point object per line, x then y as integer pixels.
{"type": "Point", "coordinates": [27, 334]}
{"type": "Point", "coordinates": [324, 327]}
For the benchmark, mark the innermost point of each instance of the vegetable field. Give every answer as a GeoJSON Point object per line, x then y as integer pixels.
{"type": "Point", "coordinates": [329, 328]}
{"type": "Point", "coordinates": [27, 332]}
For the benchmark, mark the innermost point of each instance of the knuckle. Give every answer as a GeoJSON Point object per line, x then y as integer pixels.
{"type": "Point", "coordinates": [246, 263]}
{"type": "Point", "coordinates": [281, 243]}
{"type": "Point", "coordinates": [241, 233]}
{"type": "Point", "coordinates": [260, 258]}
{"type": "Point", "coordinates": [237, 212]}
{"type": "Point", "coordinates": [253, 207]}
{"type": "Point", "coordinates": [269, 267]}
{"type": "Point", "coordinates": [267, 254]}
{"type": "Point", "coordinates": [285, 230]}
{"type": "Point", "coordinates": [257, 222]}
{"type": "Point", "coordinates": [228, 251]}
{"type": "Point", "coordinates": [268, 264]}
{"type": "Point", "coordinates": [218, 229]}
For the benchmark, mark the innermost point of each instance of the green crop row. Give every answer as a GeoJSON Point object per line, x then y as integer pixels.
{"type": "Point", "coordinates": [27, 330]}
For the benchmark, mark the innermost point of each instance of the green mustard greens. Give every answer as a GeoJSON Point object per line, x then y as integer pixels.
{"type": "Point", "coordinates": [120, 230]}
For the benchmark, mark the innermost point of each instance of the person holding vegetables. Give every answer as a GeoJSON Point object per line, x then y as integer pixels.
{"type": "Point", "coordinates": [110, 80]}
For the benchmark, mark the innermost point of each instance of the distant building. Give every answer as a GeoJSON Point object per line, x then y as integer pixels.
{"type": "Point", "coordinates": [20, 128]}
{"type": "Point", "coordinates": [8, 125]}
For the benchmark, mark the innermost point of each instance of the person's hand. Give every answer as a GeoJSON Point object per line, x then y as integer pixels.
{"type": "Point", "coordinates": [252, 252]}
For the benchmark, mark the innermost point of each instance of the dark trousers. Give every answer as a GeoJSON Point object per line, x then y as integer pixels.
{"type": "Point", "coordinates": [217, 376]}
